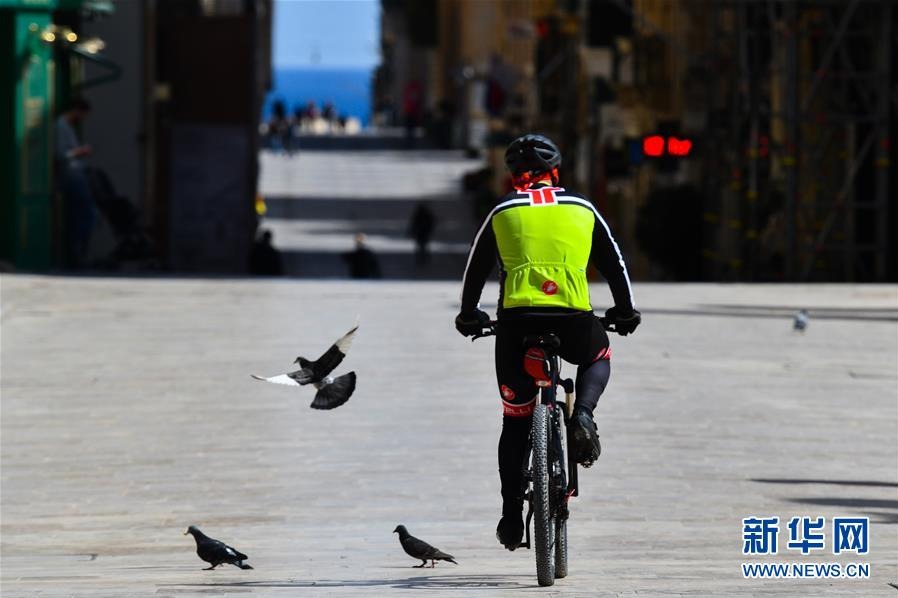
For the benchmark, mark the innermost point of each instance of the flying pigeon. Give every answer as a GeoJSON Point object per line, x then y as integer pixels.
{"type": "Point", "coordinates": [216, 552]}
{"type": "Point", "coordinates": [332, 391]}
{"type": "Point", "coordinates": [801, 320]}
{"type": "Point", "coordinates": [420, 549]}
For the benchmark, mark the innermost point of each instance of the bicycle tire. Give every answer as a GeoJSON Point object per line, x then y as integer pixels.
{"type": "Point", "coordinates": [543, 524]}
{"type": "Point", "coordinates": [557, 458]}
{"type": "Point", "coordinates": [560, 548]}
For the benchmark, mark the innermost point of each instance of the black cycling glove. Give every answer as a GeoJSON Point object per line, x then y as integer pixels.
{"type": "Point", "coordinates": [471, 323]}
{"type": "Point", "coordinates": [625, 321]}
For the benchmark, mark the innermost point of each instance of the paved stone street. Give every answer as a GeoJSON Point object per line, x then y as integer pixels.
{"type": "Point", "coordinates": [128, 414]}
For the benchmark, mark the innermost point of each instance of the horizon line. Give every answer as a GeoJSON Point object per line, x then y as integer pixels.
{"type": "Point", "coordinates": [324, 66]}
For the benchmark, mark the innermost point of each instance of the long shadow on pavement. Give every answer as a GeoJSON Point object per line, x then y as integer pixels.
{"type": "Point", "coordinates": [427, 582]}
{"type": "Point", "coordinates": [319, 221]}
{"type": "Point", "coordinates": [372, 208]}
{"type": "Point", "coordinates": [883, 510]}
{"type": "Point", "coordinates": [871, 483]}
{"type": "Point", "coordinates": [891, 506]}
{"type": "Point", "coordinates": [395, 265]}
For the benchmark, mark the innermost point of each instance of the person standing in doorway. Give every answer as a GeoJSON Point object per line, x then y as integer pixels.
{"type": "Point", "coordinates": [71, 172]}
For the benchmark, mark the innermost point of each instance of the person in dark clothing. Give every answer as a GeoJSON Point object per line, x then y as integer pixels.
{"type": "Point", "coordinates": [543, 238]}
{"type": "Point", "coordinates": [279, 128]}
{"type": "Point", "coordinates": [412, 109]}
{"type": "Point", "coordinates": [362, 262]}
{"type": "Point", "coordinates": [264, 259]}
{"type": "Point", "coordinates": [420, 228]}
{"type": "Point", "coordinates": [72, 177]}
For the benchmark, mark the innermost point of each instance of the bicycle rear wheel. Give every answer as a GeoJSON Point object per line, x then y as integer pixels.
{"type": "Point", "coordinates": [543, 521]}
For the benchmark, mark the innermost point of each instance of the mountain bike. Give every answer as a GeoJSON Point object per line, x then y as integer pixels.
{"type": "Point", "coordinates": [549, 479]}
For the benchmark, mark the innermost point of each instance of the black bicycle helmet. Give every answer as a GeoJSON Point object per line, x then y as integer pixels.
{"type": "Point", "coordinates": [532, 153]}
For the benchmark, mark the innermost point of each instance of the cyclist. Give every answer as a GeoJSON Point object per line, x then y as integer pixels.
{"type": "Point", "coordinates": [544, 238]}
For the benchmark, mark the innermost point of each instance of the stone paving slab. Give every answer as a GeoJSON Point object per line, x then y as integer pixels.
{"type": "Point", "coordinates": [128, 414]}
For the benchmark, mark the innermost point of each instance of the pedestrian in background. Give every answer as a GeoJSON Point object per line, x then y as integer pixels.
{"type": "Point", "coordinates": [362, 262]}
{"type": "Point", "coordinates": [71, 171]}
{"type": "Point", "coordinates": [264, 259]}
{"type": "Point", "coordinates": [412, 109]}
{"type": "Point", "coordinates": [279, 128]}
{"type": "Point", "coordinates": [420, 228]}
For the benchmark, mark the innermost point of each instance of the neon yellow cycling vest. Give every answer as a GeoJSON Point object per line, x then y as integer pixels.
{"type": "Point", "coordinates": [544, 249]}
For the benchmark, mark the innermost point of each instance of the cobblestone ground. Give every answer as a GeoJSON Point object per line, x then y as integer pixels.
{"type": "Point", "coordinates": [128, 414]}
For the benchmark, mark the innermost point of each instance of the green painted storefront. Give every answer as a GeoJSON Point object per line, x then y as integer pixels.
{"type": "Point", "coordinates": [27, 75]}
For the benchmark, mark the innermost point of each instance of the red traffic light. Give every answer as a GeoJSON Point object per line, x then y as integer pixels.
{"type": "Point", "coordinates": [653, 146]}
{"type": "Point", "coordinates": [678, 147]}
{"type": "Point", "coordinates": [656, 146]}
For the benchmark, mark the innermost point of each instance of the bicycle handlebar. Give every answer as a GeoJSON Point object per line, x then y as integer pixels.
{"type": "Point", "coordinates": [608, 324]}
{"type": "Point", "coordinates": [490, 329]}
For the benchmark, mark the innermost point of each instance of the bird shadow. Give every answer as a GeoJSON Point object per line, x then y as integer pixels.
{"type": "Point", "coordinates": [425, 582]}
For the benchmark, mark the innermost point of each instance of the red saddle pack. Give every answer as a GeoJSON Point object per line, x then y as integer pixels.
{"type": "Point", "coordinates": [537, 366]}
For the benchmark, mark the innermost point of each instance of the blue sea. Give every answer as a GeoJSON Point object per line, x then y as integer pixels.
{"type": "Point", "coordinates": [348, 88]}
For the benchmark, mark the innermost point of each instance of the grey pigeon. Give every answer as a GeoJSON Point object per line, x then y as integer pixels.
{"type": "Point", "coordinates": [420, 549]}
{"type": "Point", "coordinates": [216, 552]}
{"type": "Point", "coordinates": [801, 320]}
{"type": "Point", "coordinates": [332, 392]}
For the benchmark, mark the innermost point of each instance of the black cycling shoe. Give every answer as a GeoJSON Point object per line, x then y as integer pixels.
{"type": "Point", "coordinates": [585, 447]}
{"type": "Point", "coordinates": [510, 531]}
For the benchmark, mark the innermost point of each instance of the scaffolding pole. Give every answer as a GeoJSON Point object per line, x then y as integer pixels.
{"type": "Point", "coordinates": [882, 147]}
{"type": "Point", "coordinates": [804, 82]}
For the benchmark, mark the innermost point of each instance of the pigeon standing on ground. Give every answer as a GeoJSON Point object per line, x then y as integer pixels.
{"type": "Point", "coordinates": [216, 552]}
{"type": "Point", "coordinates": [801, 320]}
{"type": "Point", "coordinates": [420, 549]}
{"type": "Point", "coordinates": [332, 392]}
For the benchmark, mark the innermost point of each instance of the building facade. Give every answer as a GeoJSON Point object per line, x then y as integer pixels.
{"type": "Point", "coordinates": [724, 140]}
{"type": "Point", "coordinates": [175, 88]}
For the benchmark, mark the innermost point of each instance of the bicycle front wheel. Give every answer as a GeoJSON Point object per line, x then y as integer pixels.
{"type": "Point", "coordinates": [543, 521]}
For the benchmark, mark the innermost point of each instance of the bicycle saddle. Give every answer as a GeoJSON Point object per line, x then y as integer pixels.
{"type": "Point", "coordinates": [543, 341]}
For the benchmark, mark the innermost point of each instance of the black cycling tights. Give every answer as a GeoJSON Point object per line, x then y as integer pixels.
{"type": "Point", "coordinates": [592, 379]}
{"type": "Point", "coordinates": [512, 452]}
{"type": "Point", "coordinates": [591, 382]}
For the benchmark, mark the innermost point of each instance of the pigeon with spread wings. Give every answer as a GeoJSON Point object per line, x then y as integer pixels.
{"type": "Point", "coordinates": [332, 391]}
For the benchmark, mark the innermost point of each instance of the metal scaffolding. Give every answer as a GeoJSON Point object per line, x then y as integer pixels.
{"type": "Point", "coordinates": [798, 184]}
